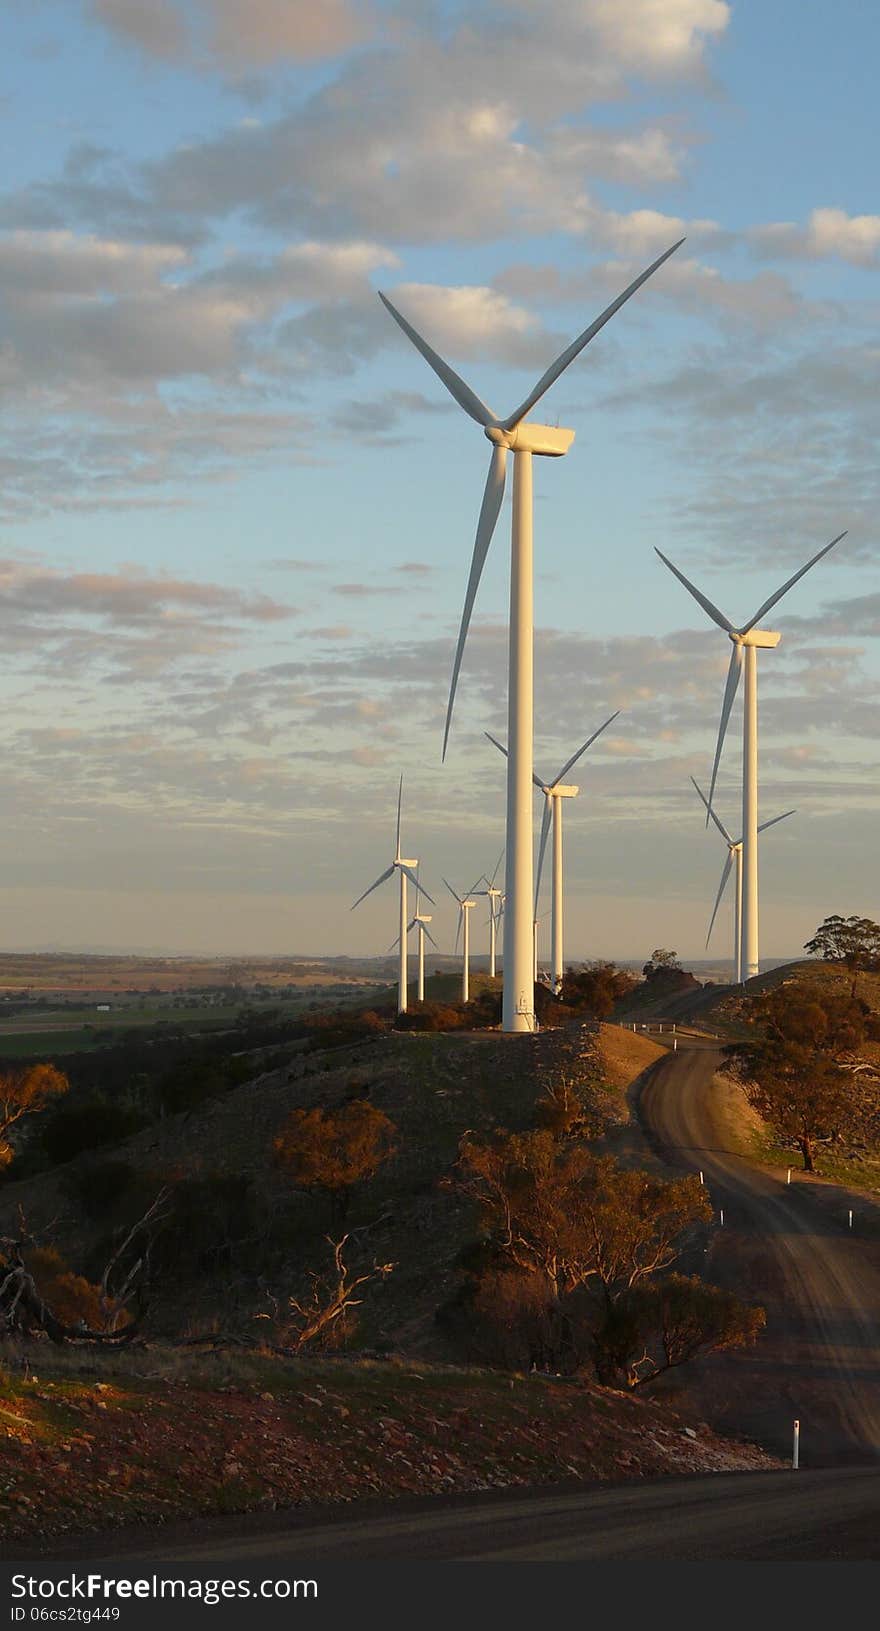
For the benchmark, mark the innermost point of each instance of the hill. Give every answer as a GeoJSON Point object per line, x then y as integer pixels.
{"type": "Point", "coordinates": [242, 1231]}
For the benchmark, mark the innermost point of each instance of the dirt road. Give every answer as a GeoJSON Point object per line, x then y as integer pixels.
{"type": "Point", "coordinates": [819, 1359]}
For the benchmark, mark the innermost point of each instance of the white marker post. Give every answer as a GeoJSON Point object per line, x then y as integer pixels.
{"type": "Point", "coordinates": [701, 1176]}
{"type": "Point", "coordinates": [788, 1176]}
{"type": "Point", "coordinates": [675, 1044]}
{"type": "Point", "coordinates": [850, 1217]}
{"type": "Point", "coordinates": [795, 1447]}
{"type": "Point", "coordinates": [721, 1216]}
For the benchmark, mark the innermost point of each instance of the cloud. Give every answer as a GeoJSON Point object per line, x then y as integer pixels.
{"type": "Point", "coordinates": [233, 33]}
{"type": "Point", "coordinates": [128, 623]}
{"type": "Point", "coordinates": [155, 26]}
{"type": "Point", "coordinates": [828, 233]}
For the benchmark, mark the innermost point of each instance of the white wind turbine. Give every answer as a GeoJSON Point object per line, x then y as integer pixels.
{"type": "Point", "coordinates": [514, 434]}
{"type": "Point", "coordinates": [747, 640]}
{"type": "Point", "coordinates": [554, 792]}
{"type": "Point", "coordinates": [465, 906]}
{"type": "Point", "coordinates": [405, 869]}
{"type": "Point", "coordinates": [420, 921]}
{"type": "Point", "coordinates": [494, 896]}
{"type": "Point", "coordinates": [734, 857]}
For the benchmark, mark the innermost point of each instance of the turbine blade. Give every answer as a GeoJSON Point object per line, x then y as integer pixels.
{"type": "Point", "coordinates": [458, 930]}
{"type": "Point", "coordinates": [386, 874]}
{"type": "Point", "coordinates": [536, 779]}
{"type": "Point", "coordinates": [497, 869]}
{"type": "Point", "coordinates": [790, 584]}
{"type": "Point", "coordinates": [395, 943]}
{"type": "Point", "coordinates": [589, 742]}
{"type": "Point", "coordinates": [716, 616]}
{"type": "Point", "coordinates": [430, 937]}
{"type": "Point", "coordinates": [409, 928]}
{"type": "Point", "coordinates": [568, 355]}
{"type": "Point", "coordinates": [492, 496]}
{"type": "Point", "coordinates": [724, 877]}
{"type": "Point", "coordinates": [730, 689]}
{"type": "Point", "coordinates": [719, 824]}
{"type": "Point", "coordinates": [545, 828]}
{"type": "Point", "coordinates": [413, 878]}
{"type": "Point", "coordinates": [455, 385]}
{"type": "Point", "coordinates": [399, 803]}
{"type": "Point", "coordinates": [765, 824]}
{"type": "Point", "coordinates": [453, 892]}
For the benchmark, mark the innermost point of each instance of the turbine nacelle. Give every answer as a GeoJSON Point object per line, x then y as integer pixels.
{"type": "Point", "coordinates": [559, 792]}
{"type": "Point", "coordinates": [549, 441]}
{"type": "Point", "coordinates": [764, 639]}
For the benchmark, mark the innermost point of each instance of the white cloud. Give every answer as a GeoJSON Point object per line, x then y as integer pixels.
{"type": "Point", "coordinates": [828, 233]}
{"type": "Point", "coordinates": [473, 321]}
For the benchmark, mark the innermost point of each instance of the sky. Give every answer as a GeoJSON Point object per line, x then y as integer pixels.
{"type": "Point", "coordinates": [238, 508]}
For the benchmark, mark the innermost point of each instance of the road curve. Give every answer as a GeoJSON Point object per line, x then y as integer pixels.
{"type": "Point", "coordinates": [819, 1359]}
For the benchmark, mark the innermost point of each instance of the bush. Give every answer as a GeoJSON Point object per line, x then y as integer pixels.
{"type": "Point", "coordinates": [70, 1297]}
{"type": "Point", "coordinates": [331, 1150]}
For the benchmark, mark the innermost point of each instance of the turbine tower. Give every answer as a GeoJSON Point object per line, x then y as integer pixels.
{"type": "Point", "coordinates": [523, 439]}
{"type": "Point", "coordinates": [465, 906]}
{"type": "Point", "coordinates": [554, 792]}
{"type": "Point", "coordinates": [405, 868]}
{"type": "Point", "coordinates": [747, 641]}
{"type": "Point", "coordinates": [494, 896]}
{"type": "Point", "coordinates": [420, 921]}
{"type": "Point", "coordinates": [734, 857]}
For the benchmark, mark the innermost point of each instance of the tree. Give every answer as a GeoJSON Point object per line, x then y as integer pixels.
{"type": "Point", "coordinates": [25, 1093]}
{"type": "Point", "coordinates": [804, 1074]}
{"type": "Point", "coordinates": [669, 1322]}
{"type": "Point", "coordinates": [854, 941]}
{"type": "Point", "coordinates": [804, 1096]}
{"type": "Point", "coordinates": [570, 1238]}
{"type": "Point", "coordinates": [596, 988]}
{"type": "Point", "coordinates": [331, 1150]}
{"type": "Point", "coordinates": [661, 962]}
{"type": "Point", "coordinates": [326, 1318]}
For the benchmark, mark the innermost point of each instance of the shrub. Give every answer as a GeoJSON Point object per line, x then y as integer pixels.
{"type": "Point", "coordinates": [331, 1150]}
{"type": "Point", "coordinates": [70, 1297]}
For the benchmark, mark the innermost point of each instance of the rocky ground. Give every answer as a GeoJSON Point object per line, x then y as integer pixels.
{"type": "Point", "coordinates": [84, 1455]}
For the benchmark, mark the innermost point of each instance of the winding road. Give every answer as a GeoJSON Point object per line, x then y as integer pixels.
{"type": "Point", "coordinates": [819, 1359]}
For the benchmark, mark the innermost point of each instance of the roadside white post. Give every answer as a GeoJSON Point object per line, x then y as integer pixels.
{"type": "Point", "coordinates": [850, 1217]}
{"type": "Point", "coordinates": [788, 1176]}
{"type": "Point", "coordinates": [701, 1177]}
{"type": "Point", "coordinates": [721, 1216]}
{"type": "Point", "coordinates": [675, 1044]}
{"type": "Point", "coordinates": [796, 1444]}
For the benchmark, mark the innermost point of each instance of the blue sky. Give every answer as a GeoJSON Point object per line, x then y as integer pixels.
{"type": "Point", "coordinates": [238, 509]}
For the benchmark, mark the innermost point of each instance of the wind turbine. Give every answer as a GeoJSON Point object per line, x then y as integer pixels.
{"type": "Point", "coordinates": [514, 434]}
{"type": "Point", "coordinates": [495, 897]}
{"type": "Point", "coordinates": [554, 792]}
{"type": "Point", "coordinates": [465, 905]}
{"type": "Point", "coordinates": [420, 921]}
{"type": "Point", "coordinates": [405, 870]}
{"type": "Point", "coordinates": [734, 857]}
{"type": "Point", "coordinates": [747, 641]}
